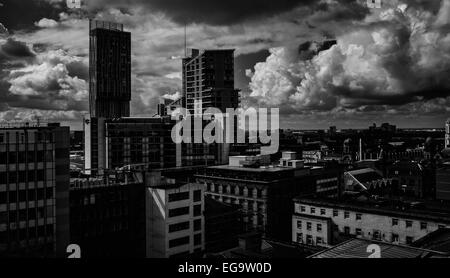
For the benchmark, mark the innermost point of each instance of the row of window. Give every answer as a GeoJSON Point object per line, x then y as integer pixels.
{"type": "Point", "coordinates": [358, 216]}
{"type": "Point", "coordinates": [185, 240]}
{"type": "Point", "coordinates": [22, 176]}
{"type": "Point", "coordinates": [24, 234]}
{"type": "Point", "coordinates": [25, 157]}
{"type": "Point", "coordinates": [26, 214]}
{"type": "Point", "coordinates": [309, 239]}
{"type": "Point", "coordinates": [174, 197]}
{"type": "Point", "coordinates": [309, 226]}
{"type": "Point", "coordinates": [185, 226]}
{"type": "Point", "coordinates": [185, 211]}
{"type": "Point", "coordinates": [26, 195]}
{"type": "Point", "coordinates": [236, 190]}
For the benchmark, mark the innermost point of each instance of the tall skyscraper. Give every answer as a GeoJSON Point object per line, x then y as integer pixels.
{"type": "Point", "coordinates": [447, 134]}
{"type": "Point", "coordinates": [109, 70]}
{"type": "Point", "coordinates": [208, 80]}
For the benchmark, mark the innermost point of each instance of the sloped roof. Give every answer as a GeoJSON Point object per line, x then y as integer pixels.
{"type": "Point", "coordinates": [357, 248]}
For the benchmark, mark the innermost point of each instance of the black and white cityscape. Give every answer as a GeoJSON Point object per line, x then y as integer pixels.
{"type": "Point", "coordinates": [140, 129]}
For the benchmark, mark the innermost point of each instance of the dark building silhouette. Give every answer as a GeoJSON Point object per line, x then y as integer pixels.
{"type": "Point", "coordinates": [109, 70]}
{"type": "Point", "coordinates": [107, 215]}
{"type": "Point", "coordinates": [34, 189]}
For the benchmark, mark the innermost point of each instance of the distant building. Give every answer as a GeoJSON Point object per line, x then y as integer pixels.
{"type": "Point", "coordinates": [327, 222]}
{"type": "Point", "coordinates": [413, 178]}
{"type": "Point", "coordinates": [175, 224]}
{"type": "Point", "coordinates": [107, 215]}
{"type": "Point", "coordinates": [443, 182]}
{"type": "Point", "coordinates": [447, 134]}
{"type": "Point", "coordinates": [115, 143]}
{"type": "Point", "coordinates": [367, 180]}
{"type": "Point", "coordinates": [34, 191]}
{"type": "Point", "coordinates": [109, 70]}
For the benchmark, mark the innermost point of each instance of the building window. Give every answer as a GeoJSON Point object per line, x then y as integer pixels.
{"type": "Point", "coordinates": [346, 214]}
{"type": "Point", "coordinates": [197, 225]}
{"type": "Point", "coordinates": [299, 237]}
{"type": "Point", "coordinates": [409, 239]}
{"type": "Point", "coordinates": [376, 235]}
{"type": "Point", "coordinates": [358, 232]}
{"type": "Point", "coordinates": [178, 227]}
{"type": "Point", "coordinates": [197, 239]}
{"type": "Point", "coordinates": [423, 225]}
{"type": "Point", "coordinates": [302, 208]}
{"type": "Point", "coordinates": [197, 195]}
{"type": "Point", "coordinates": [197, 210]}
{"type": "Point", "coordinates": [346, 230]}
{"type": "Point", "coordinates": [408, 223]}
{"type": "Point", "coordinates": [299, 224]}
{"type": "Point", "coordinates": [395, 238]}
{"type": "Point", "coordinates": [358, 216]}
{"type": "Point", "coordinates": [394, 221]}
{"type": "Point", "coordinates": [178, 211]}
{"type": "Point", "coordinates": [178, 241]}
{"type": "Point", "coordinates": [319, 240]}
{"type": "Point", "coordinates": [174, 197]}
{"type": "Point", "coordinates": [308, 226]}
{"type": "Point", "coordinates": [313, 210]}
{"type": "Point", "coordinates": [335, 213]}
{"type": "Point", "coordinates": [322, 212]}
{"type": "Point", "coordinates": [319, 227]}
{"type": "Point", "coordinates": [309, 239]}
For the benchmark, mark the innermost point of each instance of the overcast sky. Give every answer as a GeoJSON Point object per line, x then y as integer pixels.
{"type": "Point", "coordinates": [327, 62]}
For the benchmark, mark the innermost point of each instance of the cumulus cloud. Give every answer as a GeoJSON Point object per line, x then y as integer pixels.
{"type": "Point", "coordinates": [401, 57]}
{"type": "Point", "coordinates": [46, 23]}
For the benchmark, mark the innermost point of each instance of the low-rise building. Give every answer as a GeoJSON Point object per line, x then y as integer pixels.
{"type": "Point", "coordinates": [175, 224]}
{"type": "Point", "coordinates": [329, 221]}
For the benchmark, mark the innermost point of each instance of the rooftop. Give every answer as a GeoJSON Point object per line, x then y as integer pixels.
{"type": "Point", "coordinates": [357, 248]}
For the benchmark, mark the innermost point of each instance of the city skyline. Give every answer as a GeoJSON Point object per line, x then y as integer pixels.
{"type": "Point", "coordinates": [323, 63]}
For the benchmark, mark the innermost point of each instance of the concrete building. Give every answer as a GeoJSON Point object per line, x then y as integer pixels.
{"type": "Point", "coordinates": [109, 70]}
{"type": "Point", "coordinates": [174, 217]}
{"type": "Point", "coordinates": [328, 222]}
{"type": "Point", "coordinates": [34, 190]}
{"type": "Point", "coordinates": [264, 192]}
{"type": "Point", "coordinates": [115, 143]}
{"type": "Point", "coordinates": [107, 215]}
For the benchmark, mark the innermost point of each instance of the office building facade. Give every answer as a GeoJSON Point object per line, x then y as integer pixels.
{"type": "Point", "coordinates": [34, 190]}
{"type": "Point", "coordinates": [175, 222]}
